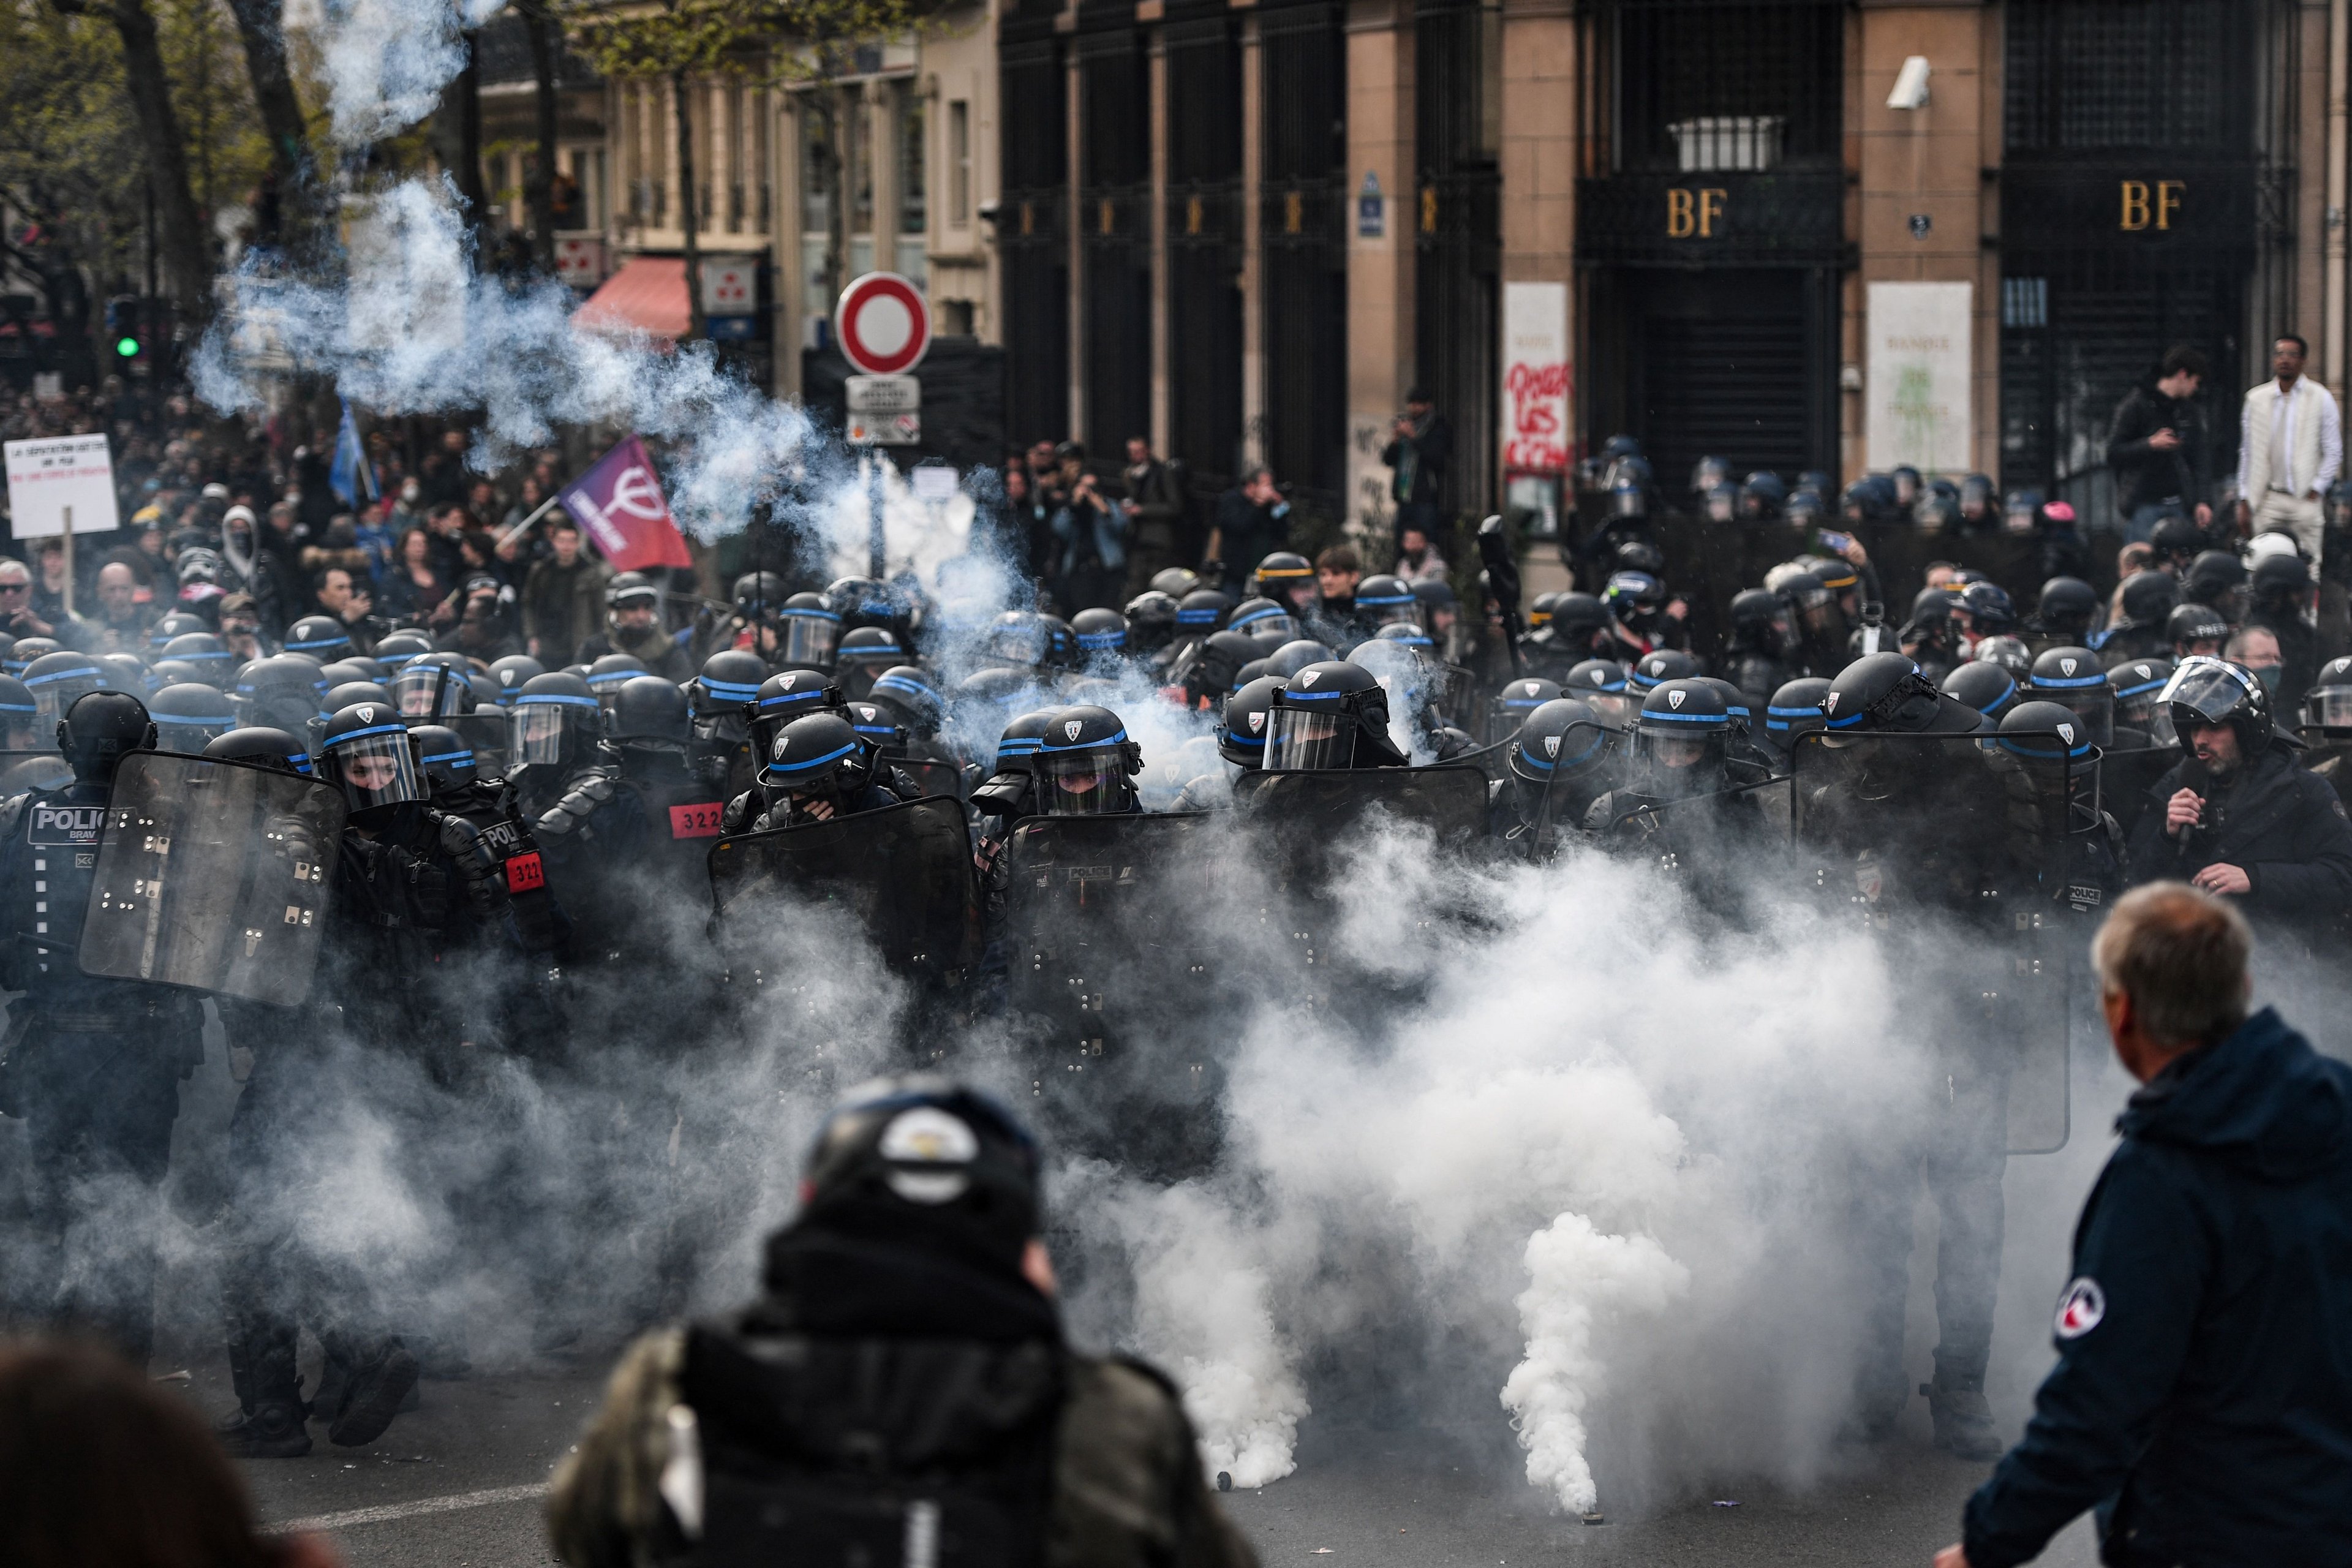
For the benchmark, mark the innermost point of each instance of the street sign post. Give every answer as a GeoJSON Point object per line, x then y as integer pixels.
{"type": "Point", "coordinates": [884, 410]}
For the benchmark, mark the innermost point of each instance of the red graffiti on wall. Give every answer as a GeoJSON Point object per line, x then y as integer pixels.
{"type": "Point", "coordinates": [1538, 428]}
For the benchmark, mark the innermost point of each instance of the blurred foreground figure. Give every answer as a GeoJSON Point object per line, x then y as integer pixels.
{"type": "Point", "coordinates": [2202, 1400]}
{"type": "Point", "coordinates": [100, 1469]}
{"type": "Point", "coordinates": [900, 1395]}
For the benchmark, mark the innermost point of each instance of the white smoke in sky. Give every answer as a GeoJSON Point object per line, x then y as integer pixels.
{"type": "Point", "coordinates": [386, 61]}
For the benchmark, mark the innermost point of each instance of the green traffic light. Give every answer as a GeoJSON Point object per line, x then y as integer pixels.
{"type": "Point", "coordinates": [127, 347]}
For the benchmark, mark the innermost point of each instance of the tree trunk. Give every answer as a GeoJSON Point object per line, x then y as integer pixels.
{"type": "Point", "coordinates": [540, 187]}
{"type": "Point", "coordinates": [260, 24]}
{"type": "Point", "coordinates": [689, 205]}
{"type": "Point", "coordinates": [181, 227]}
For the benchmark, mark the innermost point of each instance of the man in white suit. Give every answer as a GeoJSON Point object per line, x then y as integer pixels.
{"type": "Point", "coordinates": [2290, 450]}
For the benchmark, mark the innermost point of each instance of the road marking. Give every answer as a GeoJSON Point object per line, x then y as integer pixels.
{"type": "Point", "coordinates": [391, 1510]}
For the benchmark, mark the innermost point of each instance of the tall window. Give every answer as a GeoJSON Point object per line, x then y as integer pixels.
{"type": "Point", "coordinates": [958, 163]}
{"type": "Point", "coordinates": [914, 160]}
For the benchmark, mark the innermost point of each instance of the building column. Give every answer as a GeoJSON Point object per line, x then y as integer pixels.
{"type": "Point", "coordinates": [1158, 115]}
{"type": "Point", "coordinates": [1380, 265]}
{"type": "Point", "coordinates": [882, 136]}
{"type": "Point", "coordinates": [1922, 220]}
{"type": "Point", "coordinates": [1253, 245]}
{"type": "Point", "coordinates": [784, 226]}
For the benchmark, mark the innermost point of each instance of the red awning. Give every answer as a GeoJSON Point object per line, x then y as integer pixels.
{"type": "Point", "coordinates": [647, 295]}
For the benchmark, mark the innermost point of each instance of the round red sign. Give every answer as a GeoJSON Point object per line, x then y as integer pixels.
{"type": "Point", "coordinates": [882, 324]}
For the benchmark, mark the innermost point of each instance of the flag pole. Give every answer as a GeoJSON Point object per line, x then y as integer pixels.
{"type": "Point", "coordinates": [511, 534]}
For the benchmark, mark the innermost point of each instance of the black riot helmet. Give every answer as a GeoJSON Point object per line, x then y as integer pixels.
{"type": "Point", "coordinates": [786, 696]}
{"type": "Point", "coordinates": [2048, 737]}
{"type": "Point", "coordinates": [1293, 657]}
{"type": "Point", "coordinates": [176, 623]}
{"type": "Point", "coordinates": [2204, 690]}
{"type": "Point", "coordinates": [1561, 740]}
{"type": "Point", "coordinates": [22, 651]}
{"type": "Point", "coordinates": [2327, 707]}
{"type": "Point", "coordinates": [368, 752]}
{"type": "Point", "coordinates": [1285, 577]}
{"type": "Point", "coordinates": [1635, 598]}
{"type": "Point", "coordinates": [1151, 621]}
{"type": "Point", "coordinates": [2196, 628]}
{"type": "Point", "coordinates": [1175, 581]}
{"type": "Point", "coordinates": [2069, 607]}
{"type": "Point", "coordinates": [1509, 707]}
{"type": "Point", "coordinates": [1241, 734]}
{"type": "Point", "coordinates": [266, 744]}
{"type": "Point", "coordinates": [1061, 643]}
{"type": "Point", "coordinates": [730, 681]}
{"type": "Point", "coordinates": [396, 648]}
{"type": "Point", "coordinates": [1017, 639]}
{"type": "Point", "coordinates": [433, 686]}
{"type": "Point", "coordinates": [1330, 715]}
{"type": "Point", "coordinates": [1883, 693]}
{"type": "Point", "coordinates": [2279, 581]}
{"type": "Point", "coordinates": [1659, 666]}
{"type": "Point", "coordinates": [1681, 740]}
{"type": "Point", "coordinates": [1102, 635]}
{"type": "Point", "coordinates": [20, 718]}
{"type": "Point", "coordinates": [2009, 653]}
{"type": "Point", "coordinates": [1989, 609]}
{"type": "Point", "coordinates": [607, 674]}
{"type": "Point", "coordinates": [443, 753]}
{"type": "Point", "coordinates": [864, 653]}
{"type": "Point", "coordinates": [922, 1156]}
{"type": "Point", "coordinates": [1540, 609]}
{"type": "Point", "coordinates": [2175, 540]}
{"type": "Point", "coordinates": [2072, 677]}
{"type": "Point", "coordinates": [1984, 686]}
{"type": "Point", "coordinates": [1735, 703]}
{"type": "Point", "coordinates": [866, 602]}
{"type": "Point", "coordinates": [1640, 555]}
{"type": "Point", "coordinates": [345, 693]}
{"type": "Point", "coordinates": [908, 691]}
{"type": "Point", "coordinates": [1016, 748]}
{"type": "Point", "coordinates": [1760, 620]}
{"type": "Point", "coordinates": [2216, 578]}
{"type": "Point", "coordinates": [811, 630]}
{"type": "Point", "coordinates": [285, 692]}
{"type": "Point", "coordinates": [818, 756]}
{"type": "Point", "coordinates": [759, 594]}
{"type": "Point", "coordinates": [1222, 659]}
{"type": "Point", "coordinates": [1795, 709]}
{"type": "Point", "coordinates": [323, 637]}
{"type": "Point", "coordinates": [1601, 685]}
{"type": "Point", "coordinates": [100, 729]}
{"type": "Point", "coordinates": [875, 725]}
{"type": "Point", "coordinates": [649, 712]}
{"type": "Point", "coordinates": [1578, 621]}
{"type": "Point", "coordinates": [1382, 598]}
{"type": "Point", "coordinates": [58, 680]}
{"type": "Point", "coordinates": [1085, 765]}
{"type": "Point", "coordinates": [2148, 597]}
{"type": "Point", "coordinates": [1708, 473]}
{"type": "Point", "coordinates": [554, 720]}
{"type": "Point", "coordinates": [1202, 611]}
{"type": "Point", "coordinates": [510, 672]}
{"type": "Point", "coordinates": [207, 653]}
{"type": "Point", "coordinates": [191, 716]}
{"type": "Point", "coordinates": [627, 591]}
{"type": "Point", "coordinates": [1264, 617]}
{"type": "Point", "coordinates": [2139, 685]}
{"type": "Point", "coordinates": [1813, 604]}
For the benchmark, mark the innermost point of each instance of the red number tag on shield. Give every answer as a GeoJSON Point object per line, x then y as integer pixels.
{"type": "Point", "coordinates": [526, 873]}
{"type": "Point", "coordinates": [694, 821]}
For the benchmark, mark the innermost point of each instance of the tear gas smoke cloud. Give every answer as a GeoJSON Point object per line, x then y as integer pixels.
{"type": "Point", "coordinates": [386, 61]}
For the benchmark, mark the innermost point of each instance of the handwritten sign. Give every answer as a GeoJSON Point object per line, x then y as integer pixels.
{"type": "Point", "coordinates": [1918, 376]}
{"type": "Point", "coordinates": [1536, 378]}
{"type": "Point", "coordinates": [53, 478]}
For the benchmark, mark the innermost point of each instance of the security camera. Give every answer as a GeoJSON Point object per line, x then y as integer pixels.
{"type": "Point", "coordinates": [988, 211]}
{"type": "Point", "coordinates": [1910, 85]}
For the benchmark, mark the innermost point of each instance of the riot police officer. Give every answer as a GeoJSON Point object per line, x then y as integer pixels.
{"type": "Point", "coordinates": [1984, 686]}
{"type": "Point", "coordinates": [2072, 677]}
{"type": "Point", "coordinates": [1085, 764]}
{"type": "Point", "coordinates": [1795, 709]}
{"type": "Point", "coordinates": [92, 1065]}
{"type": "Point", "coordinates": [816, 769]}
{"type": "Point", "coordinates": [719, 701]}
{"type": "Point", "coordinates": [1757, 651]}
{"type": "Point", "coordinates": [1557, 766]}
{"type": "Point", "coordinates": [553, 729]}
{"type": "Point", "coordinates": [1330, 714]}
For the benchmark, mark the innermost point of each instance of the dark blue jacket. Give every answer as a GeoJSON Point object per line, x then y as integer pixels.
{"type": "Point", "coordinates": [2203, 1393]}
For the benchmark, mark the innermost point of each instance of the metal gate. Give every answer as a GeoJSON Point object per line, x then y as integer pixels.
{"type": "Point", "coordinates": [1203, 220]}
{"type": "Point", "coordinates": [1457, 232]}
{"type": "Point", "coordinates": [1115, 226]}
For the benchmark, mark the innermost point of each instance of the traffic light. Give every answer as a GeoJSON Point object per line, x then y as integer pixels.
{"type": "Point", "coordinates": [122, 326]}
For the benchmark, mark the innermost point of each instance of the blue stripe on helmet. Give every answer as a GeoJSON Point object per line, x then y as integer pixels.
{"type": "Point", "coordinates": [1687, 718]}
{"type": "Point", "coordinates": [1098, 640]}
{"type": "Point", "coordinates": [1313, 696]}
{"type": "Point", "coordinates": [834, 757]}
{"type": "Point", "coordinates": [1241, 740]}
{"type": "Point", "coordinates": [451, 757]}
{"type": "Point", "coordinates": [1195, 618]}
{"type": "Point", "coordinates": [57, 675]}
{"type": "Point", "coordinates": [807, 614]}
{"type": "Point", "coordinates": [2144, 687]}
{"type": "Point", "coordinates": [2013, 743]}
{"type": "Point", "coordinates": [2068, 683]}
{"type": "Point", "coordinates": [553, 699]}
{"type": "Point", "coordinates": [192, 718]}
{"type": "Point", "coordinates": [19, 708]}
{"type": "Point", "coordinates": [730, 691]}
{"type": "Point", "coordinates": [1084, 745]}
{"type": "Point", "coordinates": [337, 641]}
{"type": "Point", "coordinates": [1848, 723]}
{"type": "Point", "coordinates": [370, 730]}
{"type": "Point", "coordinates": [781, 697]}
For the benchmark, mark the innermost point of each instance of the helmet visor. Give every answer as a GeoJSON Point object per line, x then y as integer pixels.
{"type": "Point", "coordinates": [415, 688]}
{"type": "Point", "coordinates": [2094, 705]}
{"type": "Point", "coordinates": [54, 696]}
{"type": "Point", "coordinates": [1299, 739]}
{"type": "Point", "coordinates": [2210, 690]}
{"type": "Point", "coordinates": [1016, 648]}
{"type": "Point", "coordinates": [2330, 707]}
{"type": "Point", "coordinates": [1616, 708]}
{"type": "Point", "coordinates": [188, 736]}
{"type": "Point", "coordinates": [1278, 623]}
{"type": "Point", "coordinates": [377, 767]}
{"type": "Point", "coordinates": [1406, 612]}
{"type": "Point", "coordinates": [1082, 784]}
{"type": "Point", "coordinates": [539, 726]}
{"type": "Point", "coordinates": [810, 639]}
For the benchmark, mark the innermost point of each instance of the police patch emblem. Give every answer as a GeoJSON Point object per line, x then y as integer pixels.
{"type": "Point", "coordinates": [788, 681]}
{"type": "Point", "coordinates": [1534, 687]}
{"type": "Point", "coordinates": [1310, 676]}
{"type": "Point", "coordinates": [1600, 677]}
{"type": "Point", "coordinates": [928, 1136]}
{"type": "Point", "coordinates": [2066, 733]}
{"type": "Point", "coordinates": [1831, 705]}
{"type": "Point", "coordinates": [1071, 729]}
{"type": "Point", "coordinates": [1258, 722]}
{"type": "Point", "coordinates": [1674, 698]}
{"type": "Point", "coordinates": [2081, 1309]}
{"type": "Point", "coordinates": [2067, 666]}
{"type": "Point", "coordinates": [367, 715]}
{"type": "Point", "coordinates": [1551, 745]}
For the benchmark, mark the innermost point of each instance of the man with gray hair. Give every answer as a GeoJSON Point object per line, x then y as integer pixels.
{"type": "Point", "coordinates": [2202, 1399]}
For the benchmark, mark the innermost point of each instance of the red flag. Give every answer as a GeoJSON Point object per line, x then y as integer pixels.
{"type": "Point", "coordinates": [619, 501]}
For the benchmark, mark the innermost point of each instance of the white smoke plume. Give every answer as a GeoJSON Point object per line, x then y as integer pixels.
{"type": "Point", "coordinates": [386, 61]}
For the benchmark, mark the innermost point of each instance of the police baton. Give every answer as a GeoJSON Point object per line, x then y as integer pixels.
{"type": "Point", "coordinates": [1502, 580]}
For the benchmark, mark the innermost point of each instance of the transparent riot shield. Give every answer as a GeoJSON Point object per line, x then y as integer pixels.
{"type": "Point", "coordinates": [1719, 845]}
{"type": "Point", "coordinates": [1109, 953]}
{"type": "Point", "coordinates": [1964, 857]}
{"type": "Point", "coordinates": [213, 874]}
{"type": "Point", "coordinates": [1450, 801]}
{"type": "Point", "coordinates": [904, 872]}
{"type": "Point", "coordinates": [938, 780]}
